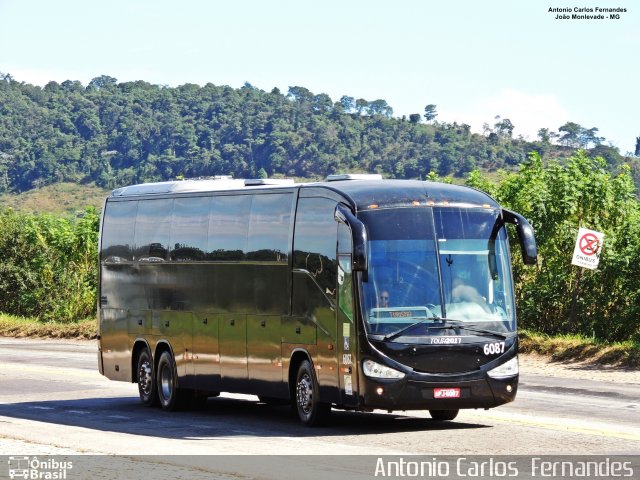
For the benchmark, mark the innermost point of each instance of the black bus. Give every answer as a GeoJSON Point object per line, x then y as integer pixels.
{"type": "Point", "coordinates": [354, 293]}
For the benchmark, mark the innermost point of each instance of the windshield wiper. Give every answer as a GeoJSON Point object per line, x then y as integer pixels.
{"type": "Point", "coordinates": [459, 324]}
{"type": "Point", "coordinates": [397, 333]}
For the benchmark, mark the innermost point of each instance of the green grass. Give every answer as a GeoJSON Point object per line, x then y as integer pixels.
{"type": "Point", "coordinates": [558, 348]}
{"type": "Point", "coordinates": [581, 349]}
{"type": "Point", "coordinates": [60, 198]}
{"type": "Point", "coordinates": [11, 326]}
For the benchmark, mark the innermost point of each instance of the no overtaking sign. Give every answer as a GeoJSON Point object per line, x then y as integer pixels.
{"type": "Point", "coordinates": [587, 250]}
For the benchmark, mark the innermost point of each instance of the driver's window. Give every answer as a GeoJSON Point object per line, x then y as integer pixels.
{"type": "Point", "coordinates": [345, 276]}
{"type": "Point", "coordinates": [345, 285]}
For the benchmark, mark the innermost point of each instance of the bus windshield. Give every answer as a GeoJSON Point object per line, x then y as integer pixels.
{"type": "Point", "coordinates": [444, 269]}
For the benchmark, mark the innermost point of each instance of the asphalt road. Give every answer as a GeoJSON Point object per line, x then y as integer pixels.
{"type": "Point", "coordinates": [54, 401]}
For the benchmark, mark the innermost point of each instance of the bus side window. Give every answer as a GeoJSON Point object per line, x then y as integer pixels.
{"type": "Point", "coordinates": [269, 228]}
{"type": "Point", "coordinates": [315, 242]}
{"type": "Point", "coordinates": [117, 234]}
{"type": "Point", "coordinates": [153, 225]}
{"type": "Point", "coordinates": [228, 227]}
{"type": "Point", "coordinates": [189, 229]}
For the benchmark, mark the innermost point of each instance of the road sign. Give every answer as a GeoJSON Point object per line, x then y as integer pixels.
{"type": "Point", "coordinates": [586, 253]}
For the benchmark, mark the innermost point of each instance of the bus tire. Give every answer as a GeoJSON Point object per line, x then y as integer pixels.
{"type": "Point", "coordinates": [147, 380]}
{"type": "Point", "coordinates": [443, 415]}
{"type": "Point", "coordinates": [169, 395]}
{"type": "Point", "coordinates": [311, 411]}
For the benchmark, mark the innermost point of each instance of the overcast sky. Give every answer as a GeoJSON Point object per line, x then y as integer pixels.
{"type": "Point", "coordinates": [474, 59]}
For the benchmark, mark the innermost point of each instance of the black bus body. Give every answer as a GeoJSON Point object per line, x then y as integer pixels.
{"type": "Point", "coordinates": [353, 293]}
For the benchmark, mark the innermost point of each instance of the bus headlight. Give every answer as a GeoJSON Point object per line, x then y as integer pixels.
{"type": "Point", "coordinates": [375, 370]}
{"type": "Point", "coordinates": [507, 369]}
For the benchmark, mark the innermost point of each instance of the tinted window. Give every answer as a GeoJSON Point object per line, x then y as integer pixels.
{"type": "Point", "coordinates": [269, 228]}
{"type": "Point", "coordinates": [190, 229]}
{"type": "Point", "coordinates": [117, 232]}
{"type": "Point", "coordinates": [229, 225]}
{"type": "Point", "coordinates": [460, 223]}
{"type": "Point", "coordinates": [153, 225]}
{"type": "Point", "coordinates": [315, 241]}
{"type": "Point", "coordinates": [398, 224]}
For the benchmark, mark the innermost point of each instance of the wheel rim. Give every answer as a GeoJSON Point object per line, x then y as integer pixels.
{"type": "Point", "coordinates": [304, 393]}
{"type": "Point", "coordinates": [145, 378]}
{"type": "Point", "coordinates": [165, 383]}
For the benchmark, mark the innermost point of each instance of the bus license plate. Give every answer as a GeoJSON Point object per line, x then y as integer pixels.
{"type": "Point", "coordinates": [446, 393]}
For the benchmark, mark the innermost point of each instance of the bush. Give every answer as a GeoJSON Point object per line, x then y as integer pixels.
{"type": "Point", "coordinates": [49, 265]}
{"type": "Point", "coordinates": [558, 199]}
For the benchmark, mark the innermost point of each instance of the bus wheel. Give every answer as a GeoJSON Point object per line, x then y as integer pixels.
{"type": "Point", "coordinates": [310, 411]}
{"type": "Point", "coordinates": [443, 414]}
{"type": "Point", "coordinates": [167, 380]}
{"type": "Point", "coordinates": [146, 380]}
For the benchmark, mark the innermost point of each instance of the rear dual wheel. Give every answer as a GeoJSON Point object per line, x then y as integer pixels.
{"type": "Point", "coordinates": [160, 386]}
{"type": "Point", "coordinates": [169, 395]}
{"type": "Point", "coordinates": [147, 380]}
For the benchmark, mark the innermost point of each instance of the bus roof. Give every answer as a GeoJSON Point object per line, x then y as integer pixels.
{"type": "Point", "coordinates": [371, 194]}
{"type": "Point", "coordinates": [360, 192]}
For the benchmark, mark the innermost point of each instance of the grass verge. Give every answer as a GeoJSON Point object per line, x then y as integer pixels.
{"type": "Point", "coordinates": [577, 348]}
{"type": "Point", "coordinates": [559, 348]}
{"type": "Point", "coordinates": [11, 326]}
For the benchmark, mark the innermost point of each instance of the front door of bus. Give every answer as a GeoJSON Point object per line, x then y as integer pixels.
{"type": "Point", "coordinates": [347, 328]}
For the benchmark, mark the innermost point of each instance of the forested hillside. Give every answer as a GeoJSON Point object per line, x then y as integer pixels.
{"type": "Point", "coordinates": [115, 133]}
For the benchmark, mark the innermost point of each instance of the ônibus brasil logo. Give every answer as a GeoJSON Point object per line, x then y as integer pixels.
{"type": "Point", "coordinates": [31, 468]}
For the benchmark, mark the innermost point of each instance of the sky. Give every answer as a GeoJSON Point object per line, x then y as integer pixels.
{"type": "Point", "coordinates": [474, 59]}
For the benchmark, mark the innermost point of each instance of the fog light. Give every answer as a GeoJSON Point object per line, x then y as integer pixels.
{"type": "Point", "coordinates": [509, 388]}
{"type": "Point", "coordinates": [380, 390]}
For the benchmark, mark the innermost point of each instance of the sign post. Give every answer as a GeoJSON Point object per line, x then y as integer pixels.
{"type": "Point", "coordinates": [586, 253]}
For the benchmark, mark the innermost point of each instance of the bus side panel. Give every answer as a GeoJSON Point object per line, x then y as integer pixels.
{"type": "Point", "coordinates": [206, 351]}
{"type": "Point", "coordinates": [114, 344]}
{"type": "Point", "coordinates": [120, 289]}
{"type": "Point", "coordinates": [264, 328]}
{"type": "Point", "coordinates": [176, 328]}
{"type": "Point", "coordinates": [264, 355]}
{"type": "Point", "coordinates": [313, 312]}
{"type": "Point", "coordinates": [233, 352]}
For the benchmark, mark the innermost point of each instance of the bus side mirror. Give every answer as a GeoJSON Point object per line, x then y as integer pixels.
{"type": "Point", "coordinates": [359, 237]}
{"type": "Point", "coordinates": [526, 236]}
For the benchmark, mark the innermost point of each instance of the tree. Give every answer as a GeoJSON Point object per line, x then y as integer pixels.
{"type": "Point", "coordinates": [557, 199]}
{"type": "Point", "coordinates": [430, 112]}
{"type": "Point", "coordinates": [380, 107]}
{"type": "Point", "coordinates": [503, 127]}
{"type": "Point", "coordinates": [414, 118]}
{"type": "Point", "coordinates": [300, 94]}
{"type": "Point", "coordinates": [348, 103]}
{"type": "Point", "coordinates": [362, 105]}
{"type": "Point", "coordinates": [544, 135]}
{"type": "Point", "coordinates": [637, 152]}
{"type": "Point", "coordinates": [588, 136]}
{"type": "Point", "coordinates": [103, 81]}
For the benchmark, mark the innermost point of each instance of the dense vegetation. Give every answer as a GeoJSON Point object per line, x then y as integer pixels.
{"type": "Point", "coordinates": [556, 297]}
{"type": "Point", "coordinates": [49, 265]}
{"type": "Point", "coordinates": [114, 134]}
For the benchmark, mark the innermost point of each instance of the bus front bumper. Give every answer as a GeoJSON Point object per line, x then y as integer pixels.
{"type": "Point", "coordinates": [413, 394]}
